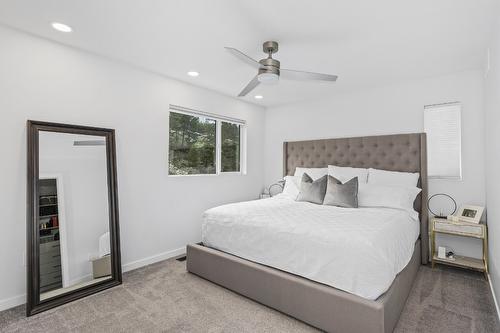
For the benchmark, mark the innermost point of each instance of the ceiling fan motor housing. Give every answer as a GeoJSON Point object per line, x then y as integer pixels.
{"type": "Point", "coordinates": [269, 65]}
{"type": "Point", "coordinates": [269, 72]}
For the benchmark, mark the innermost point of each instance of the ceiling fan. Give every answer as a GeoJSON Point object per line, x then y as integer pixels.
{"type": "Point", "coordinates": [269, 70]}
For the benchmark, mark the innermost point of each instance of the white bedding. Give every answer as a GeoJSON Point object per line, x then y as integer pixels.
{"type": "Point", "coordinates": [358, 250]}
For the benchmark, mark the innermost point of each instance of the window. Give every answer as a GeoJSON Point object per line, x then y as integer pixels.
{"type": "Point", "coordinates": [203, 144]}
{"type": "Point", "coordinates": [230, 147]}
{"type": "Point", "coordinates": [443, 127]}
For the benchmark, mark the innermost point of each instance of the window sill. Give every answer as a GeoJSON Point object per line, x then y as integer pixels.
{"type": "Point", "coordinates": [238, 173]}
{"type": "Point", "coordinates": [210, 175]}
{"type": "Point", "coordinates": [194, 175]}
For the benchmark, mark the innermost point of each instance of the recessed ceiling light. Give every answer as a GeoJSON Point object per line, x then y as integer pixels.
{"type": "Point", "coordinates": [193, 73]}
{"type": "Point", "coordinates": [258, 97]}
{"type": "Point", "coordinates": [61, 27]}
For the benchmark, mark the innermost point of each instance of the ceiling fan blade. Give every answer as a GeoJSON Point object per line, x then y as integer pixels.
{"type": "Point", "coordinates": [89, 143]}
{"type": "Point", "coordinates": [290, 74]}
{"type": "Point", "coordinates": [243, 57]}
{"type": "Point", "coordinates": [250, 86]}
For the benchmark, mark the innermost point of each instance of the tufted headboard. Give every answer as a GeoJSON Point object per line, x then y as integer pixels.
{"type": "Point", "coordinates": [399, 152]}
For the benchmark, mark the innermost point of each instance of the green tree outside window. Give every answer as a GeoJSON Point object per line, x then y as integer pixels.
{"type": "Point", "coordinates": [192, 143]}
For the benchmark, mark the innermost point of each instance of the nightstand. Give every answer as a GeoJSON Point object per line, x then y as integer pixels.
{"type": "Point", "coordinates": [462, 229]}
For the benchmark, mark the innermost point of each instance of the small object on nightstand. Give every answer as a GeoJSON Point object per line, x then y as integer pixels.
{"type": "Point", "coordinates": [441, 215]}
{"type": "Point", "coordinates": [469, 213]}
{"type": "Point", "coordinates": [450, 255]}
{"type": "Point", "coordinates": [462, 229]}
{"type": "Point", "coordinates": [276, 188]}
{"type": "Point", "coordinates": [442, 252]}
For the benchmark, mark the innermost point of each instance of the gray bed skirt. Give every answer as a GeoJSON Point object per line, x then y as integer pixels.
{"type": "Point", "coordinates": [314, 303]}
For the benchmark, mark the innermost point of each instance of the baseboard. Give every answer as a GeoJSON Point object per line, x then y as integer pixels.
{"type": "Point", "coordinates": [153, 259]}
{"type": "Point", "coordinates": [8, 303]}
{"type": "Point", "coordinates": [494, 297]}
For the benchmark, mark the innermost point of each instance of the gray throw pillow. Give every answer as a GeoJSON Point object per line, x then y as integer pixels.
{"type": "Point", "coordinates": [341, 195]}
{"type": "Point", "coordinates": [312, 191]}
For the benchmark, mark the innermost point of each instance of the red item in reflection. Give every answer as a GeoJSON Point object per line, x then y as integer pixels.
{"type": "Point", "coordinates": [55, 221]}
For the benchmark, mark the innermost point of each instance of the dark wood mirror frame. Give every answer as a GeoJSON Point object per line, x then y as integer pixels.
{"type": "Point", "coordinates": [33, 304]}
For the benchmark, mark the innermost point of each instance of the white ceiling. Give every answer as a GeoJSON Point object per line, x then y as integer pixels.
{"type": "Point", "coordinates": [366, 43]}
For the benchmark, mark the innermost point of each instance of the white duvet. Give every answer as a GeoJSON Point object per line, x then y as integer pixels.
{"type": "Point", "coordinates": [357, 250]}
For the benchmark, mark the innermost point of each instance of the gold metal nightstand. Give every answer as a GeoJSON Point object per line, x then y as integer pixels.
{"type": "Point", "coordinates": [463, 229]}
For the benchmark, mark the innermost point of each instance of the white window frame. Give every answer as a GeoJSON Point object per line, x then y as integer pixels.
{"type": "Point", "coordinates": [218, 140]}
{"type": "Point", "coordinates": [430, 108]}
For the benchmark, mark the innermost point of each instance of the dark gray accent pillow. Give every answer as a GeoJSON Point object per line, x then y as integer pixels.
{"type": "Point", "coordinates": [341, 195]}
{"type": "Point", "coordinates": [312, 191]}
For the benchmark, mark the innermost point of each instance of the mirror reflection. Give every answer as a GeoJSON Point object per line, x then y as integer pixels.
{"type": "Point", "coordinates": [73, 216]}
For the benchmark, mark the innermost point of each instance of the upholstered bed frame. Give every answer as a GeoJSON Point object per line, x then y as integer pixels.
{"type": "Point", "coordinates": [317, 304]}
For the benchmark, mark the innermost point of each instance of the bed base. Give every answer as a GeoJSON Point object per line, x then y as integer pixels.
{"type": "Point", "coordinates": [316, 304]}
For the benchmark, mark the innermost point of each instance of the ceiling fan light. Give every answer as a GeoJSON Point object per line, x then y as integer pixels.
{"type": "Point", "coordinates": [268, 78]}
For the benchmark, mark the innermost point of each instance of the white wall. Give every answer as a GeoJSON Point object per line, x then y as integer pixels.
{"type": "Point", "coordinates": [42, 80]}
{"type": "Point", "coordinates": [84, 209]}
{"type": "Point", "coordinates": [492, 140]}
{"type": "Point", "coordinates": [391, 110]}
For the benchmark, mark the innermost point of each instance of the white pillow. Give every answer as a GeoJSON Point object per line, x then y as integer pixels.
{"type": "Point", "coordinates": [292, 187]}
{"type": "Point", "coordinates": [373, 195]}
{"type": "Point", "coordinates": [314, 173]}
{"type": "Point", "coordinates": [344, 174]}
{"type": "Point", "coordinates": [392, 178]}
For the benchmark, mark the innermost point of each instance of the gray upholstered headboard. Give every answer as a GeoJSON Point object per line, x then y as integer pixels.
{"type": "Point", "coordinates": [400, 152]}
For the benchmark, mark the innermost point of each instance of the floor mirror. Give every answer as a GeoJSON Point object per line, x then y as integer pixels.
{"type": "Point", "coordinates": [73, 247]}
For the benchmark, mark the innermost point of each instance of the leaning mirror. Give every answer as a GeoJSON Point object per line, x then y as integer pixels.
{"type": "Point", "coordinates": [72, 214]}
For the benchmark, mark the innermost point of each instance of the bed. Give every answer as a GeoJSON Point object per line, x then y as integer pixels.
{"type": "Point", "coordinates": [243, 250]}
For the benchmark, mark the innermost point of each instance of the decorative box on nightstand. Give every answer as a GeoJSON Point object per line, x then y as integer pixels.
{"type": "Point", "coordinates": [463, 229]}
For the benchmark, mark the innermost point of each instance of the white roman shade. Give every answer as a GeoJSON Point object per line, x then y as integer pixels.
{"type": "Point", "coordinates": [188, 111]}
{"type": "Point", "coordinates": [443, 127]}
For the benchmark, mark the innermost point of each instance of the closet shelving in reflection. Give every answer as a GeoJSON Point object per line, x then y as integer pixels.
{"type": "Point", "coordinates": [48, 225]}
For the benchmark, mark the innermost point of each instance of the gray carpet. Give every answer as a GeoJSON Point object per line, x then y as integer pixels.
{"type": "Point", "coordinates": [165, 298]}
